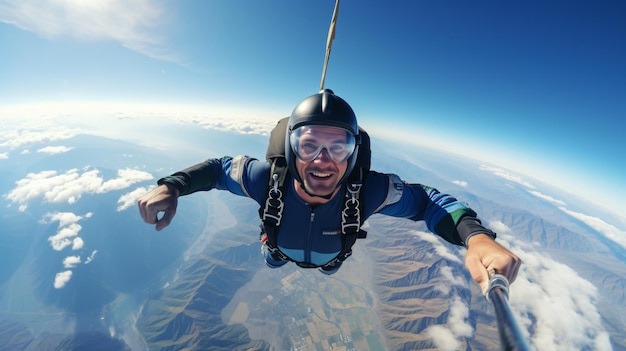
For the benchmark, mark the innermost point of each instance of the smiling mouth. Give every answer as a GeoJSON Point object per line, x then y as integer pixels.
{"type": "Point", "coordinates": [320, 174]}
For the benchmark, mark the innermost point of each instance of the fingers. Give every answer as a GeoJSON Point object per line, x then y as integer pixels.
{"type": "Point", "coordinates": [157, 201]}
{"type": "Point", "coordinates": [141, 204]}
{"type": "Point", "coordinates": [479, 272]}
{"type": "Point", "coordinates": [147, 209]}
{"type": "Point", "coordinates": [152, 213]}
{"type": "Point", "coordinates": [486, 257]}
{"type": "Point", "coordinates": [165, 220]}
{"type": "Point", "coordinates": [143, 210]}
{"type": "Point", "coordinates": [510, 268]}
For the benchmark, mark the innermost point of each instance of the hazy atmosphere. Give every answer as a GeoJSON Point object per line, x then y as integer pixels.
{"type": "Point", "coordinates": [536, 86]}
{"type": "Point", "coordinates": [514, 107]}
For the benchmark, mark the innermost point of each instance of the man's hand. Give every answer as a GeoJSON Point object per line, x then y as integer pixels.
{"type": "Point", "coordinates": [485, 256]}
{"type": "Point", "coordinates": [164, 199]}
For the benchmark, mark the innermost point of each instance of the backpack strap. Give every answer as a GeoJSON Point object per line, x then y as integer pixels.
{"type": "Point", "coordinates": [351, 219]}
{"type": "Point", "coordinates": [271, 212]}
{"type": "Point", "coordinates": [351, 222]}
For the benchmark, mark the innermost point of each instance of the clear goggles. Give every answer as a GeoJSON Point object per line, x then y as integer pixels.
{"type": "Point", "coordinates": [307, 143]}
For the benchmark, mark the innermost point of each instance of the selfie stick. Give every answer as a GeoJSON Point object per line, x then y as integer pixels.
{"type": "Point", "coordinates": [511, 337]}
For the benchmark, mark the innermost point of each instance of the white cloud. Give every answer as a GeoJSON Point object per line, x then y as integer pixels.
{"type": "Point", "coordinates": [458, 319]}
{"type": "Point", "coordinates": [4, 156]}
{"type": "Point", "coordinates": [130, 199]}
{"type": "Point", "coordinates": [499, 227]}
{"type": "Point", "coordinates": [441, 249]}
{"type": "Point", "coordinates": [28, 135]}
{"type": "Point", "coordinates": [50, 185]}
{"type": "Point", "coordinates": [113, 123]}
{"type": "Point", "coordinates": [77, 244]}
{"type": "Point", "coordinates": [65, 236]}
{"type": "Point", "coordinates": [547, 198]}
{"type": "Point", "coordinates": [609, 231]}
{"type": "Point", "coordinates": [53, 150]}
{"type": "Point", "coordinates": [129, 22]}
{"type": "Point", "coordinates": [506, 175]}
{"type": "Point", "coordinates": [62, 278]}
{"type": "Point", "coordinates": [64, 218]}
{"type": "Point", "coordinates": [460, 183]}
{"type": "Point", "coordinates": [71, 185]}
{"type": "Point", "coordinates": [68, 230]}
{"type": "Point", "coordinates": [558, 304]}
{"type": "Point", "coordinates": [260, 126]}
{"type": "Point", "coordinates": [125, 178]}
{"type": "Point", "coordinates": [91, 257]}
{"type": "Point", "coordinates": [443, 338]}
{"type": "Point", "coordinates": [450, 280]}
{"type": "Point", "coordinates": [551, 299]}
{"type": "Point", "coordinates": [71, 261]}
{"type": "Point", "coordinates": [457, 326]}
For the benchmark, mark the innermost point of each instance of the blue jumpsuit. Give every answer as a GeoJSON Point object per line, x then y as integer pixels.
{"type": "Point", "coordinates": [312, 235]}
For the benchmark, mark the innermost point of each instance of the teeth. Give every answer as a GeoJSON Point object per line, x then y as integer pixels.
{"type": "Point", "coordinates": [321, 175]}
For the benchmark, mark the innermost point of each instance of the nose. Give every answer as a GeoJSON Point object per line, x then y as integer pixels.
{"type": "Point", "coordinates": [323, 156]}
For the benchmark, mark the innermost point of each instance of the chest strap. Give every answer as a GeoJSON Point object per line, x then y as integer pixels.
{"type": "Point", "coordinates": [272, 212]}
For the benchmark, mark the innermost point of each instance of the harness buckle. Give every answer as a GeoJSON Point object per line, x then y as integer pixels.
{"type": "Point", "coordinates": [273, 211]}
{"type": "Point", "coordinates": [351, 216]}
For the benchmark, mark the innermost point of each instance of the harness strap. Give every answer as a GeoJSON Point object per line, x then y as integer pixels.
{"type": "Point", "coordinates": [274, 205]}
{"type": "Point", "coordinates": [351, 214]}
{"type": "Point", "coordinates": [272, 214]}
{"type": "Point", "coordinates": [350, 223]}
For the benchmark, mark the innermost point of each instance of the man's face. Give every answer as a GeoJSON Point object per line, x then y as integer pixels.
{"type": "Point", "coordinates": [321, 175]}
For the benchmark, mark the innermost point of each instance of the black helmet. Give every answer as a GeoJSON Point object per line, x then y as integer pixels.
{"type": "Point", "coordinates": [322, 109]}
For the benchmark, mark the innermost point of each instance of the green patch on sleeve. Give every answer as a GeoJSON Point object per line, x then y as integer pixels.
{"type": "Point", "coordinates": [446, 228]}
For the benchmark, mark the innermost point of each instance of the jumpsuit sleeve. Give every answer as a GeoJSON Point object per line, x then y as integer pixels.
{"type": "Point", "coordinates": [240, 175]}
{"type": "Point", "coordinates": [443, 214]}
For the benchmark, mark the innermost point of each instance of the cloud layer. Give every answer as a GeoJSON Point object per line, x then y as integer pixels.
{"type": "Point", "coordinates": [68, 231]}
{"type": "Point", "coordinates": [34, 134]}
{"type": "Point", "coordinates": [548, 297]}
{"type": "Point", "coordinates": [551, 299]}
{"type": "Point", "coordinates": [129, 22]}
{"type": "Point", "coordinates": [609, 231]}
{"type": "Point", "coordinates": [446, 337]}
{"type": "Point", "coordinates": [53, 150]}
{"type": "Point", "coordinates": [67, 235]}
{"type": "Point", "coordinates": [70, 186]}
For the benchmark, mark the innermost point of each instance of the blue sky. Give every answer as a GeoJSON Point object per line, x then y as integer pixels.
{"type": "Point", "coordinates": [536, 86]}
